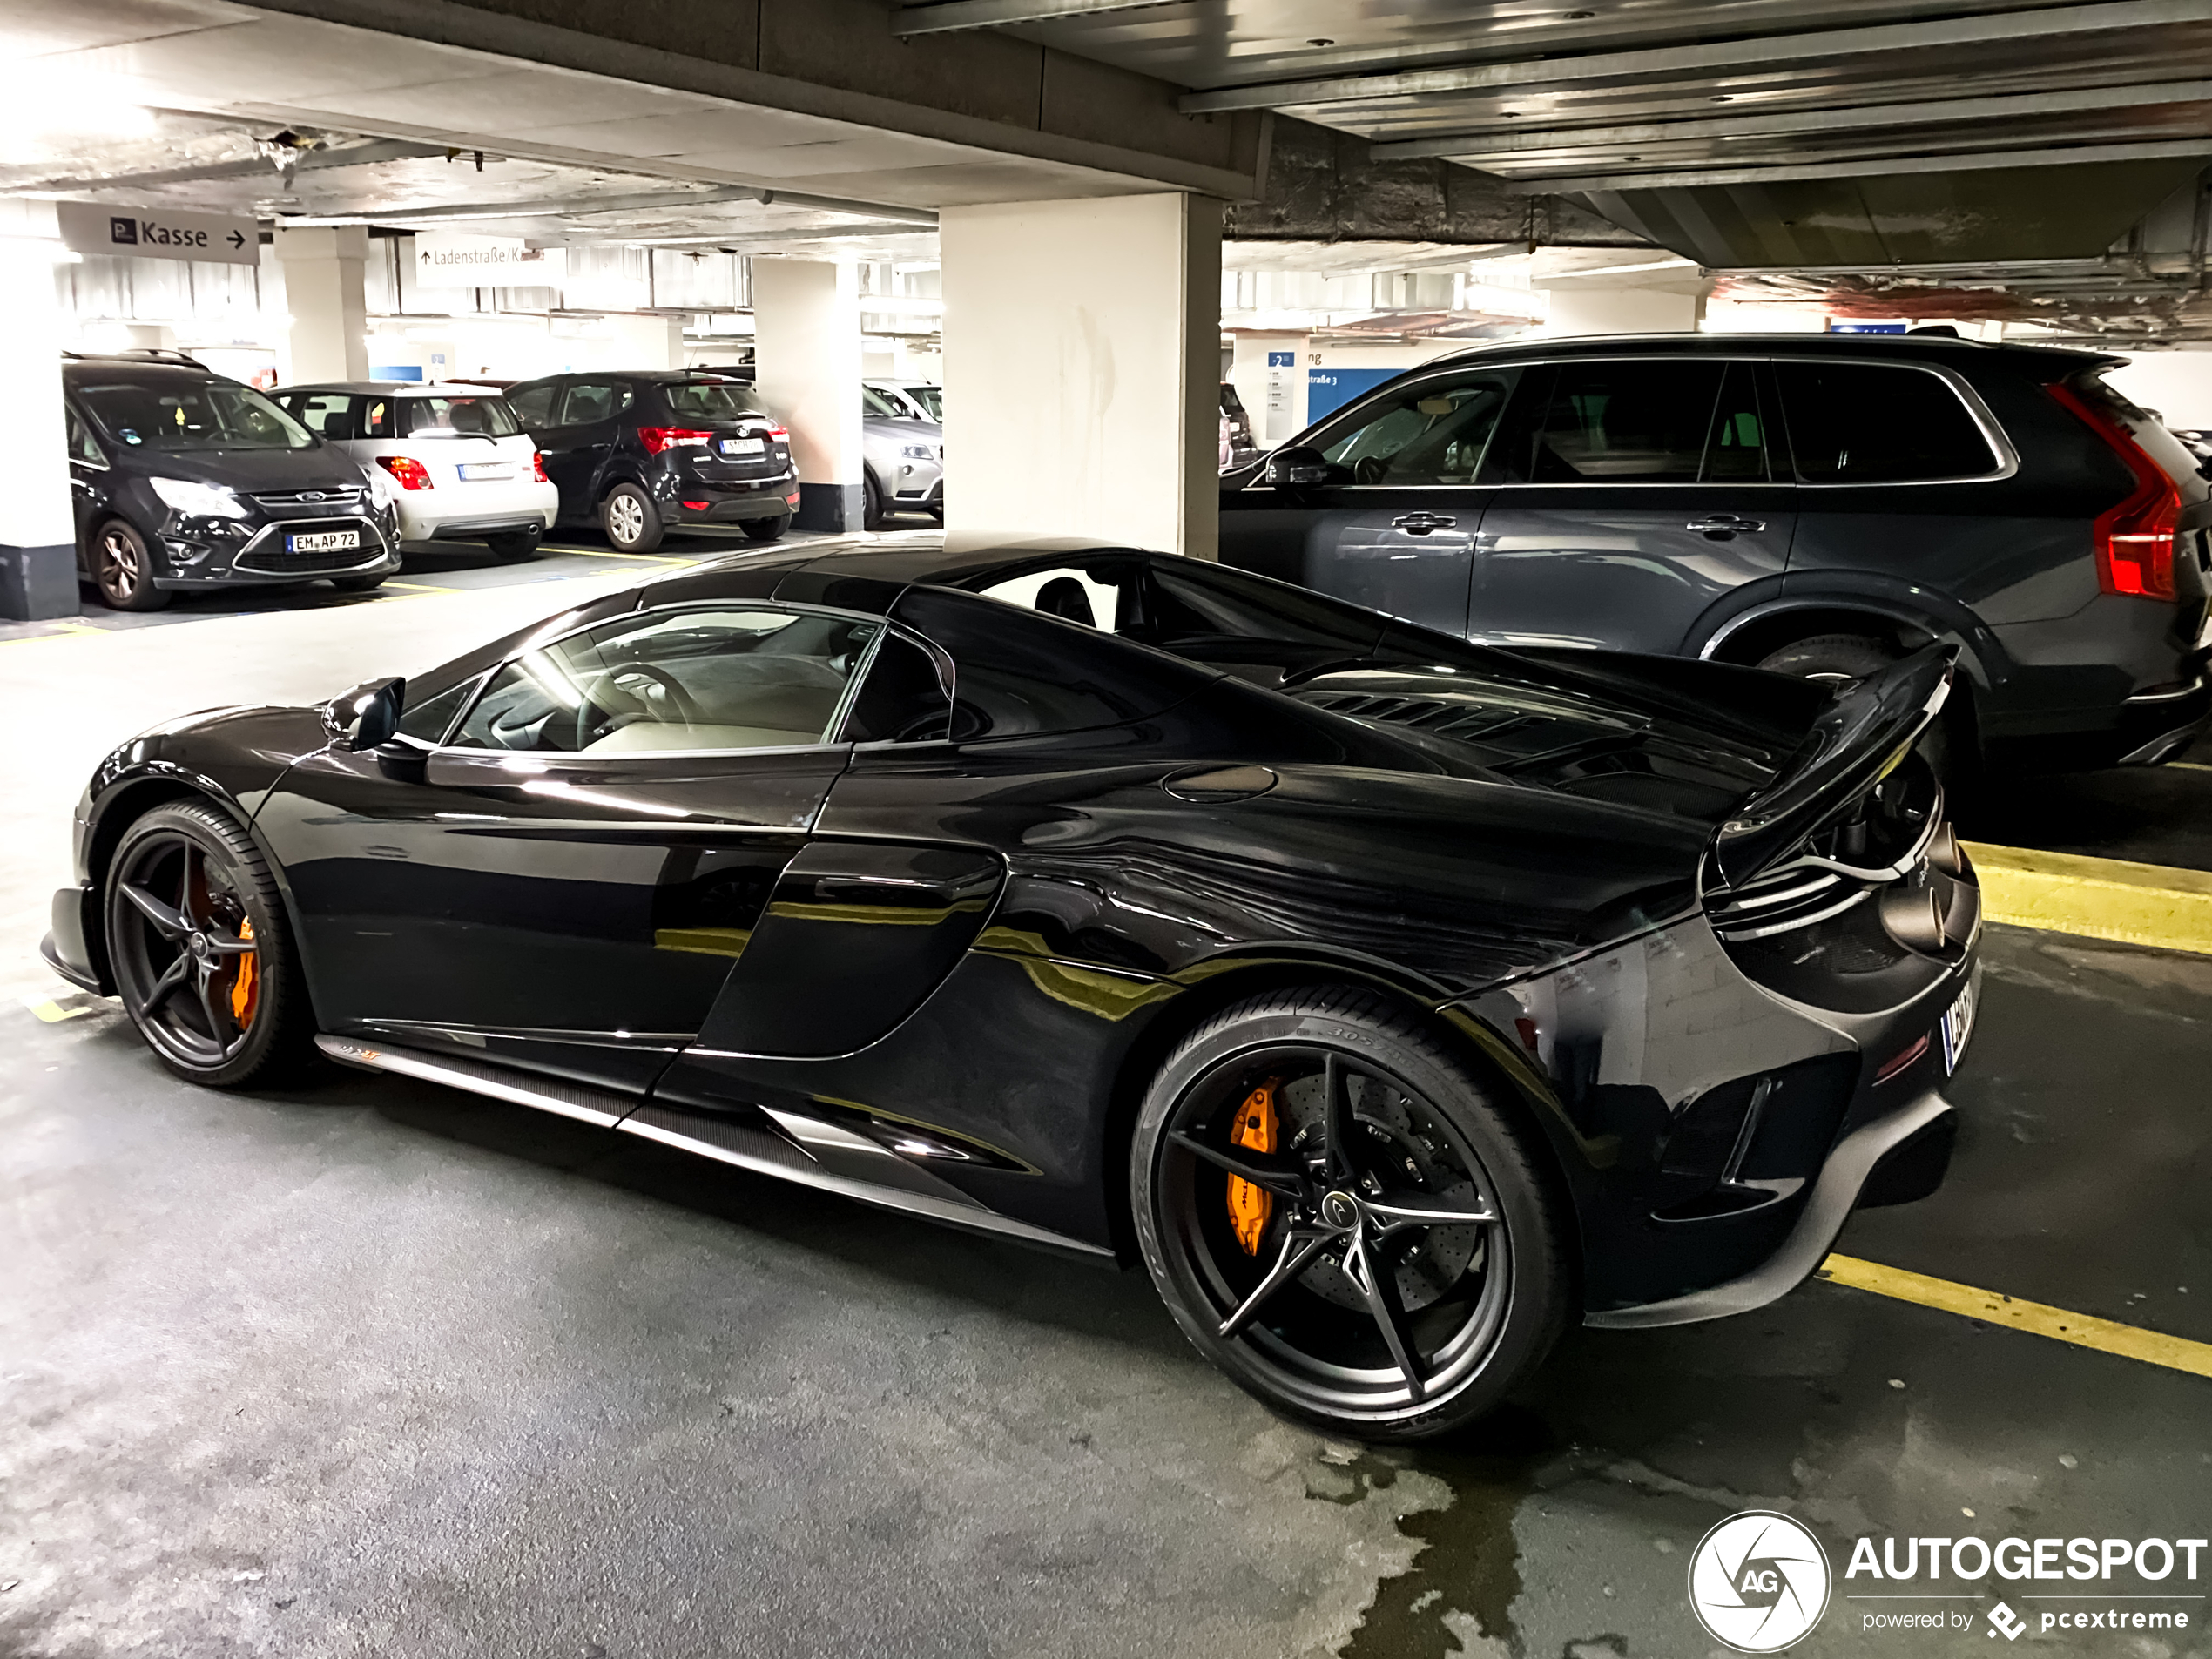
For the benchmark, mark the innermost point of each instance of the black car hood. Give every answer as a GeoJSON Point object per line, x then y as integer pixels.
{"type": "Point", "coordinates": [325, 467]}
{"type": "Point", "coordinates": [1649, 735]}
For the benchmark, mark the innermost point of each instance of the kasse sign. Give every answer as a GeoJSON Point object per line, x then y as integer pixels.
{"type": "Point", "coordinates": [158, 234]}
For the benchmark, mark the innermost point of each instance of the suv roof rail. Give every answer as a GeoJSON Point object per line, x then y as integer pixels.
{"type": "Point", "coordinates": [140, 355]}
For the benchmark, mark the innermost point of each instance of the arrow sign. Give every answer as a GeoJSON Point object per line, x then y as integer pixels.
{"type": "Point", "coordinates": [158, 234]}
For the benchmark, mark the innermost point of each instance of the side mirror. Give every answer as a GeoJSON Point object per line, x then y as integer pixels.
{"type": "Point", "coordinates": [366, 715]}
{"type": "Point", "coordinates": [1295, 469]}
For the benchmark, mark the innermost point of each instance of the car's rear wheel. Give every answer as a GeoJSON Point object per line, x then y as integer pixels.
{"type": "Point", "coordinates": [630, 520]}
{"type": "Point", "coordinates": [122, 569]}
{"type": "Point", "coordinates": [765, 529]}
{"type": "Point", "coordinates": [513, 548]}
{"type": "Point", "coordinates": [1341, 1217]}
{"type": "Point", "coordinates": [203, 956]}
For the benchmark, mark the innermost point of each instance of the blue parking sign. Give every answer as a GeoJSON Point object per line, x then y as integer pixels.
{"type": "Point", "coordinates": [1282, 359]}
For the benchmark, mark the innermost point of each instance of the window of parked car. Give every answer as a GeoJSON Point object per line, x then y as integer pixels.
{"type": "Point", "coordinates": [181, 414]}
{"type": "Point", "coordinates": [1878, 423]}
{"type": "Point", "coordinates": [906, 697]}
{"type": "Point", "coordinates": [1651, 421]}
{"type": "Point", "coordinates": [590, 401]}
{"type": "Point", "coordinates": [533, 405]}
{"type": "Point", "coordinates": [724, 678]}
{"type": "Point", "coordinates": [1437, 433]}
{"type": "Point", "coordinates": [710, 399]}
{"type": "Point", "coordinates": [330, 414]}
{"type": "Point", "coordinates": [82, 445]}
{"type": "Point", "coordinates": [436, 416]}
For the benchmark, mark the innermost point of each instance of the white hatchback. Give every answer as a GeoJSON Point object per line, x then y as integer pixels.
{"type": "Point", "coordinates": [452, 458]}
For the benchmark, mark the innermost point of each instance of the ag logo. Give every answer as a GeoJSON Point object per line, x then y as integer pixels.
{"type": "Point", "coordinates": [1758, 1581]}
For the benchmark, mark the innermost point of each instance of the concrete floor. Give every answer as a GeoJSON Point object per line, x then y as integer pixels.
{"type": "Point", "coordinates": [372, 1368]}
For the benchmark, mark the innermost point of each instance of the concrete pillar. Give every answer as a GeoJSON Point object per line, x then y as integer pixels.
{"type": "Point", "coordinates": [806, 368]}
{"type": "Point", "coordinates": [323, 293]}
{"type": "Point", "coordinates": [1082, 369]}
{"type": "Point", "coordinates": [1657, 308]}
{"type": "Point", "coordinates": [649, 341]}
{"type": "Point", "coordinates": [37, 522]}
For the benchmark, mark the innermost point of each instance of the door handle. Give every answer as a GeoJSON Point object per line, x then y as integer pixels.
{"type": "Point", "coordinates": [1422, 523]}
{"type": "Point", "coordinates": [1724, 524]}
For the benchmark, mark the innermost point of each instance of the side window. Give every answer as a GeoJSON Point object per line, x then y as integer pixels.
{"type": "Point", "coordinates": [1436, 434]}
{"type": "Point", "coordinates": [728, 677]}
{"type": "Point", "coordinates": [1619, 422]}
{"type": "Point", "coordinates": [82, 445]}
{"type": "Point", "coordinates": [1072, 593]}
{"type": "Point", "coordinates": [379, 417]}
{"type": "Point", "coordinates": [533, 405]}
{"type": "Point", "coordinates": [1878, 423]}
{"type": "Point", "coordinates": [1736, 447]}
{"type": "Point", "coordinates": [327, 414]}
{"type": "Point", "coordinates": [904, 698]}
{"type": "Point", "coordinates": [427, 721]}
{"type": "Point", "coordinates": [590, 401]}
{"type": "Point", "coordinates": [1016, 673]}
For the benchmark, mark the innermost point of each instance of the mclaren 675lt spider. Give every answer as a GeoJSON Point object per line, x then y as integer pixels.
{"type": "Point", "coordinates": [1396, 1001]}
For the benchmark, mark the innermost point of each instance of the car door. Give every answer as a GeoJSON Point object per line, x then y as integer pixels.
{"type": "Point", "coordinates": [1394, 524]}
{"type": "Point", "coordinates": [1633, 494]}
{"type": "Point", "coordinates": [563, 881]}
{"type": "Point", "coordinates": [88, 481]}
{"type": "Point", "coordinates": [586, 426]}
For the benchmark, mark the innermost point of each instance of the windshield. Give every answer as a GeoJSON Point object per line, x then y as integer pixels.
{"type": "Point", "coordinates": [483, 417]}
{"type": "Point", "coordinates": [192, 414]}
{"type": "Point", "coordinates": [710, 399]}
{"type": "Point", "coordinates": [882, 405]}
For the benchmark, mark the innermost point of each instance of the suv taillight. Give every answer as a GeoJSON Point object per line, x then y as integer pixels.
{"type": "Point", "coordinates": [779, 435]}
{"type": "Point", "coordinates": [537, 466]}
{"type": "Point", "coordinates": [658, 438]}
{"type": "Point", "coordinates": [2134, 539]}
{"type": "Point", "coordinates": [411, 473]}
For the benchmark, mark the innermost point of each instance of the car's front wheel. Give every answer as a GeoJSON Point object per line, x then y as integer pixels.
{"type": "Point", "coordinates": [630, 520]}
{"type": "Point", "coordinates": [122, 569]}
{"type": "Point", "coordinates": [367, 584]}
{"type": "Point", "coordinates": [1341, 1216]}
{"type": "Point", "coordinates": [202, 953]}
{"type": "Point", "coordinates": [871, 502]}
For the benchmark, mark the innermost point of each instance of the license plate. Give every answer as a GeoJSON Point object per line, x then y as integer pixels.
{"type": "Point", "coordinates": [476, 472]}
{"type": "Point", "coordinates": [322, 542]}
{"type": "Point", "coordinates": [742, 447]}
{"type": "Point", "coordinates": [1957, 1026]}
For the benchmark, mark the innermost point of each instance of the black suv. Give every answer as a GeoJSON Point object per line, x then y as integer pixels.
{"type": "Point", "coordinates": [1815, 504]}
{"type": "Point", "coordinates": [182, 478]}
{"type": "Point", "coordinates": [637, 451]}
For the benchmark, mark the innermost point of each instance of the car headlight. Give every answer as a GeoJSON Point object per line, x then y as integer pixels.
{"type": "Point", "coordinates": [196, 499]}
{"type": "Point", "coordinates": [918, 452]}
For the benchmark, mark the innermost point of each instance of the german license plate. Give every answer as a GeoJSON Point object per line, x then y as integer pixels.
{"type": "Point", "coordinates": [322, 541]}
{"type": "Point", "coordinates": [1957, 1026]}
{"type": "Point", "coordinates": [742, 447]}
{"type": "Point", "coordinates": [484, 471]}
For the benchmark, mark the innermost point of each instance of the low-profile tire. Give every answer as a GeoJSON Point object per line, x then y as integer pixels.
{"type": "Point", "coordinates": [871, 502]}
{"type": "Point", "coordinates": [515, 548]}
{"type": "Point", "coordinates": [122, 569]}
{"type": "Point", "coordinates": [765, 529]}
{"type": "Point", "coordinates": [1948, 746]}
{"type": "Point", "coordinates": [630, 519]}
{"type": "Point", "coordinates": [367, 584]}
{"type": "Point", "coordinates": [204, 957]}
{"type": "Point", "coordinates": [1374, 1120]}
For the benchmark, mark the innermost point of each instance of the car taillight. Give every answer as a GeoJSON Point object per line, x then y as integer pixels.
{"type": "Point", "coordinates": [658, 438]}
{"type": "Point", "coordinates": [537, 466]}
{"type": "Point", "coordinates": [2134, 539]}
{"type": "Point", "coordinates": [411, 473]}
{"type": "Point", "coordinates": [779, 435]}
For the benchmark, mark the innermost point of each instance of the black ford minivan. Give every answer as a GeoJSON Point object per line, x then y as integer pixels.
{"type": "Point", "coordinates": [1815, 504]}
{"type": "Point", "coordinates": [182, 478]}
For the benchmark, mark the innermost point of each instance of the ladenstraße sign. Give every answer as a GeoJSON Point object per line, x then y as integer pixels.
{"type": "Point", "coordinates": [451, 259]}
{"type": "Point", "coordinates": [158, 233]}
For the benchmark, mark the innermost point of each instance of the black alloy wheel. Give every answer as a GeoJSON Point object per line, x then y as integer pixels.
{"type": "Point", "coordinates": [765, 529]}
{"type": "Point", "coordinates": [513, 549]}
{"type": "Point", "coordinates": [1339, 1217]}
{"type": "Point", "coordinates": [122, 569]}
{"type": "Point", "coordinates": [202, 955]}
{"type": "Point", "coordinates": [871, 502]}
{"type": "Point", "coordinates": [630, 520]}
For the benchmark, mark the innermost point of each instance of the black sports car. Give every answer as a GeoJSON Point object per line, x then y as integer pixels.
{"type": "Point", "coordinates": [1395, 999]}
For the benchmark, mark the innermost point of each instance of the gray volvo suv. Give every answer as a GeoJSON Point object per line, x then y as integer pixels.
{"type": "Point", "coordinates": [1815, 504]}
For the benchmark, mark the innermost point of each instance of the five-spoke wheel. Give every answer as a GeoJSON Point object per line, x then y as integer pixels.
{"type": "Point", "coordinates": [1341, 1216]}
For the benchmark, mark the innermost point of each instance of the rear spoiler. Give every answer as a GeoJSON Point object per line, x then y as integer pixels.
{"type": "Point", "coordinates": [1855, 742]}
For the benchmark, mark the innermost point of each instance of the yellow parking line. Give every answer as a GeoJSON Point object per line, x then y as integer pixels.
{"type": "Point", "coordinates": [2129, 1342]}
{"type": "Point", "coordinates": [2136, 904]}
{"type": "Point", "coordinates": [422, 587]}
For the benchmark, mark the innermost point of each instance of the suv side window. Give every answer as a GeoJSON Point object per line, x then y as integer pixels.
{"type": "Point", "coordinates": [1436, 434]}
{"type": "Point", "coordinates": [533, 405]}
{"type": "Point", "coordinates": [724, 677]}
{"type": "Point", "coordinates": [1878, 423]}
{"type": "Point", "coordinates": [1618, 421]}
{"type": "Point", "coordinates": [589, 401]}
{"type": "Point", "coordinates": [82, 447]}
{"type": "Point", "coordinates": [328, 414]}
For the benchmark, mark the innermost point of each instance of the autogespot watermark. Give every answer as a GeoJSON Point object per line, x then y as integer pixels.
{"type": "Point", "coordinates": [1760, 1581]}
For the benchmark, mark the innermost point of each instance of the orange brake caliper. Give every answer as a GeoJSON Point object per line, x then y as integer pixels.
{"type": "Point", "coordinates": [1251, 1207]}
{"type": "Point", "coordinates": [246, 985]}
